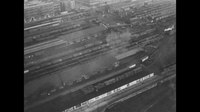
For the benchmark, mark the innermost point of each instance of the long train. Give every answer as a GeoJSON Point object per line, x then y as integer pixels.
{"type": "Point", "coordinates": [109, 93]}
{"type": "Point", "coordinates": [88, 102]}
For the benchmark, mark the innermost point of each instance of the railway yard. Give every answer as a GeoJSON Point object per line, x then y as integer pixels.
{"type": "Point", "coordinates": [73, 58]}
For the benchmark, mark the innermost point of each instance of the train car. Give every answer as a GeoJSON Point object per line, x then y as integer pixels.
{"type": "Point", "coordinates": [127, 54]}
{"type": "Point", "coordinates": [144, 58]}
{"type": "Point", "coordinates": [138, 69]}
{"type": "Point", "coordinates": [65, 12]}
{"type": "Point", "coordinates": [28, 40]}
{"type": "Point", "coordinates": [110, 81]}
{"type": "Point", "coordinates": [99, 86]}
{"type": "Point", "coordinates": [88, 89]}
{"type": "Point", "coordinates": [169, 28]}
{"type": "Point", "coordinates": [77, 94]}
{"type": "Point", "coordinates": [121, 77]}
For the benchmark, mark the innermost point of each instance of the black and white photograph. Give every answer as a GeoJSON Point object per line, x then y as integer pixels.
{"type": "Point", "coordinates": [99, 56]}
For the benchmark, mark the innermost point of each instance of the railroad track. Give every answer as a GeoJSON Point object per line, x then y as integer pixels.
{"type": "Point", "coordinates": [65, 53]}
{"type": "Point", "coordinates": [53, 35]}
{"type": "Point", "coordinates": [77, 60]}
